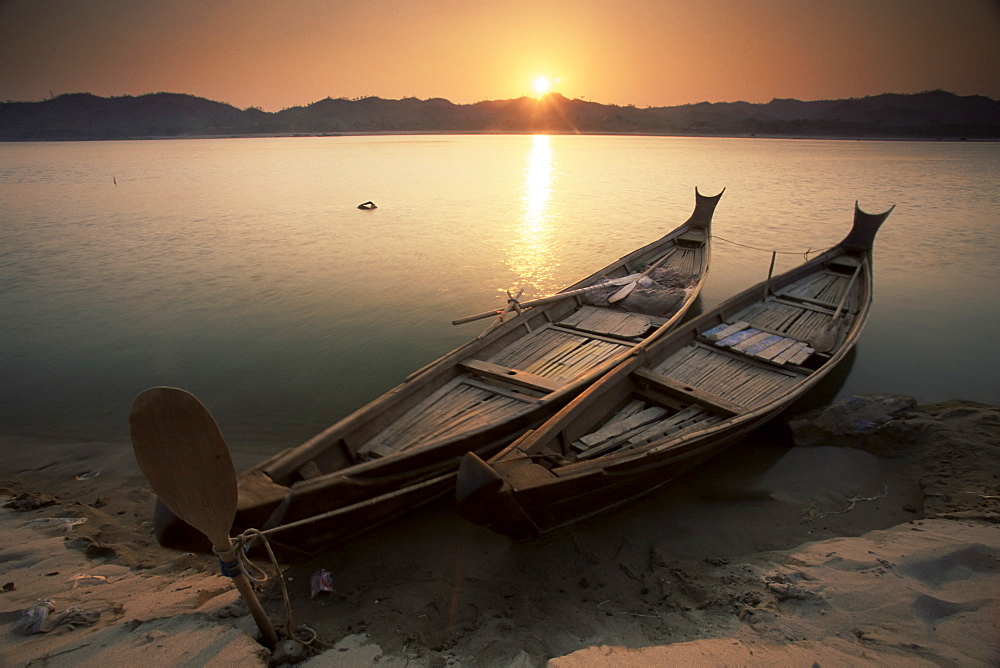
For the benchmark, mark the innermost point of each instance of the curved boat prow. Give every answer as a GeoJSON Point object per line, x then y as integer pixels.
{"type": "Point", "coordinates": [866, 226]}
{"type": "Point", "coordinates": [704, 209]}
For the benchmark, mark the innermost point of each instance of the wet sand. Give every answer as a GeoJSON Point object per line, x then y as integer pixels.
{"type": "Point", "coordinates": [868, 543]}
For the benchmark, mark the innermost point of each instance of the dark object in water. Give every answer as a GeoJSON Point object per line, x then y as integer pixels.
{"type": "Point", "coordinates": [367, 205]}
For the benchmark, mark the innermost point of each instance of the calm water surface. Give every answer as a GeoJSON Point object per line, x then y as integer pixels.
{"type": "Point", "coordinates": [241, 269]}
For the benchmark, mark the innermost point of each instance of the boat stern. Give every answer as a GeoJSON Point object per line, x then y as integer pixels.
{"type": "Point", "coordinates": [485, 498]}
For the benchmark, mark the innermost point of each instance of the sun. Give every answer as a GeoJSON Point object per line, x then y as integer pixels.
{"type": "Point", "coordinates": [542, 85]}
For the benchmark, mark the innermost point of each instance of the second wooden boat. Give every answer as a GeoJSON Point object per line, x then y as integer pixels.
{"type": "Point", "coordinates": [404, 448]}
{"type": "Point", "coordinates": [681, 400]}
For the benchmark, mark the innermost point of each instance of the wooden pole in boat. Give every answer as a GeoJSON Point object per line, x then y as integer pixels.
{"type": "Point", "coordinates": [511, 304]}
{"type": "Point", "coordinates": [543, 300]}
{"type": "Point", "coordinates": [181, 452]}
{"type": "Point", "coordinates": [770, 273]}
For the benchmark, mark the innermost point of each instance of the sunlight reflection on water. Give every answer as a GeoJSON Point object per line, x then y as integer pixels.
{"type": "Point", "coordinates": [531, 254]}
{"type": "Point", "coordinates": [241, 269]}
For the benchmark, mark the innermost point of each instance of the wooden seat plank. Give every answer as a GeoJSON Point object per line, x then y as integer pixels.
{"type": "Point", "coordinates": [514, 376]}
{"type": "Point", "coordinates": [801, 356]}
{"type": "Point", "coordinates": [459, 404]}
{"type": "Point", "coordinates": [612, 430]}
{"type": "Point", "coordinates": [750, 341]}
{"type": "Point", "coordinates": [762, 344]}
{"type": "Point", "coordinates": [691, 393]}
{"type": "Point", "coordinates": [790, 352]}
{"type": "Point", "coordinates": [643, 433]}
{"type": "Point", "coordinates": [724, 330]}
{"type": "Point", "coordinates": [608, 322]}
{"type": "Point", "coordinates": [670, 425]}
{"type": "Point", "coordinates": [738, 337]}
{"type": "Point", "coordinates": [775, 349]}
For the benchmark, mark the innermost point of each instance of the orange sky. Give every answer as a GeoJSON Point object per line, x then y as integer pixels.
{"type": "Point", "coordinates": [275, 54]}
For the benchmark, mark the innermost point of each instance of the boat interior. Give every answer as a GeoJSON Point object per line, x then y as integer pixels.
{"type": "Point", "coordinates": [735, 366]}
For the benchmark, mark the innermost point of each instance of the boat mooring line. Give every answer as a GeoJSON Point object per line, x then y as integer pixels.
{"type": "Point", "coordinates": [805, 254]}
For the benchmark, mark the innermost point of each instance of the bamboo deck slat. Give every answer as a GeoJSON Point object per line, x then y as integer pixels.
{"type": "Point", "coordinates": [458, 406]}
{"type": "Point", "coordinates": [739, 337]}
{"type": "Point", "coordinates": [738, 380]}
{"type": "Point", "coordinates": [575, 361]}
{"type": "Point", "coordinates": [683, 392]}
{"type": "Point", "coordinates": [685, 260]}
{"type": "Point", "coordinates": [543, 362]}
{"type": "Point", "coordinates": [608, 321]}
{"type": "Point", "coordinates": [762, 345]}
{"type": "Point", "coordinates": [529, 349]}
{"type": "Point", "coordinates": [701, 422]}
{"type": "Point", "coordinates": [801, 356]}
{"type": "Point", "coordinates": [796, 321]}
{"type": "Point", "coordinates": [825, 288]}
{"type": "Point", "coordinates": [558, 354]}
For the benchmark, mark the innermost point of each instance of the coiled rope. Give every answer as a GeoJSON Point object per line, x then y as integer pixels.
{"type": "Point", "coordinates": [242, 543]}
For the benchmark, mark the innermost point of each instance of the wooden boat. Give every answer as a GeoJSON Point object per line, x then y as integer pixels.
{"type": "Point", "coordinates": [404, 448]}
{"type": "Point", "coordinates": [681, 400]}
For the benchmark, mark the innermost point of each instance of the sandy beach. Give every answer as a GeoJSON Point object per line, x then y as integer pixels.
{"type": "Point", "coordinates": [874, 540]}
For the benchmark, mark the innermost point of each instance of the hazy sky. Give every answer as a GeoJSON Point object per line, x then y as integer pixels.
{"type": "Point", "coordinates": [280, 53]}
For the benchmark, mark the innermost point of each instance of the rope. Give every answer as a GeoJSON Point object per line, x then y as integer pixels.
{"type": "Point", "coordinates": [805, 254]}
{"type": "Point", "coordinates": [256, 574]}
{"type": "Point", "coordinates": [230, 569]}
{"type": "Point", "coordinates": [812, 513]}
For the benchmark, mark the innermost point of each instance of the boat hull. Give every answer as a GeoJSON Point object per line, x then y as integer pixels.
{"type": "Point", "coordinates": [529, 512]}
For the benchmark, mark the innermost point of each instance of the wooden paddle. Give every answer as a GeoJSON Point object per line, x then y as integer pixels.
{"type": "Point", "coordinates": [181, 452]}
{"type": "Point", "coordinates": [627, 290]}
{"type": "Point", "coordinates": [826, 340]}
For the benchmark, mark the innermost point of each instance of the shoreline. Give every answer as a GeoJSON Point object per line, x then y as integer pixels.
{"type": "Point", "coordinates": [440, 133]}
{"type": "Point", "coordinates": [768, 555]}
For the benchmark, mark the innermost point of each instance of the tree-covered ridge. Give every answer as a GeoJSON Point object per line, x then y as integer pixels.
{"type": "Point", "coordinates": [932, 114]}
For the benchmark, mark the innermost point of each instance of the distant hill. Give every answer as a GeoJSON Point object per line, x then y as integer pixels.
{"type": "Point", "coordinates": [81, 116]}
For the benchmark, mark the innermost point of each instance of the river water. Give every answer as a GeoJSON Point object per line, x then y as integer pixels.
{"type": "Point", "coordinates": [243, 271]}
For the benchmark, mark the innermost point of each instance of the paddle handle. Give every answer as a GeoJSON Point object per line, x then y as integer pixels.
{"type": "Point", "coordinates": [228, 555]}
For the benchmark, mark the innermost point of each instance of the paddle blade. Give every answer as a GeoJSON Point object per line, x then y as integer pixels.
{"type": "Point", "coordinates": [825, 341]}
{"type": "Point", "coordinates": [623, 293]}
{"type": "Point", "coordinates": [182, 453]}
